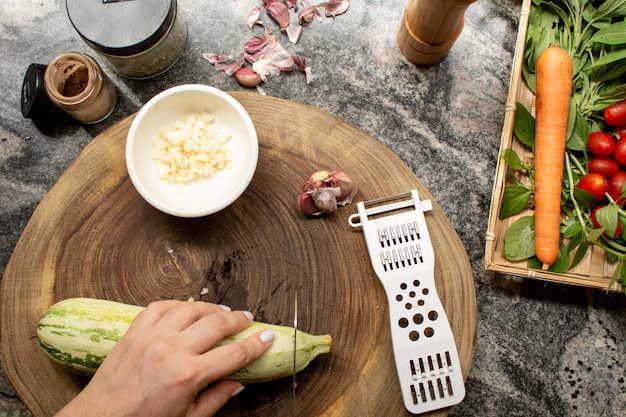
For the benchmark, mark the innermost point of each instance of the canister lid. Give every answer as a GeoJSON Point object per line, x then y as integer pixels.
{"type": "Point", "coordinates": [121, 27]}
{"type": "Point", "coordinates": [35, 102]}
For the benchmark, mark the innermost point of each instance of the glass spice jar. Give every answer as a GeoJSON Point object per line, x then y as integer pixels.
{"type": "Point", "coordinates": [75, 83]}
{"type": "Point", "coordinates": [140, 38]}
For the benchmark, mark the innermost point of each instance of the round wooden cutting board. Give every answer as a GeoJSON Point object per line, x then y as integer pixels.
{"type": "Point", "coordinates": [93, 236]}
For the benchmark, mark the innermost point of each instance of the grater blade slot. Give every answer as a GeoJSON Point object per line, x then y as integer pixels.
{"type": "Point", "coordinates": [440, 388]}
{"type": "Point", "coordinates": [449, 384]}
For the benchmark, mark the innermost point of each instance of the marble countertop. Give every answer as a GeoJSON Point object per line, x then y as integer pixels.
{"type": "Point", "coordinates": [542, 349]}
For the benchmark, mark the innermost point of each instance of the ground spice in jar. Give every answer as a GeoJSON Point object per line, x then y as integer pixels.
{"type": "Point", "coordinates": [76, 82]}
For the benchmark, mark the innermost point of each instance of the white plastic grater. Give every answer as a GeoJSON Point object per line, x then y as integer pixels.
{"type": "Point", "coordinates": [402, 255]}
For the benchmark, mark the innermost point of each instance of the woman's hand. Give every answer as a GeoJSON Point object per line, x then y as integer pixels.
{"type": "Point", "coordinates": [165, 365]}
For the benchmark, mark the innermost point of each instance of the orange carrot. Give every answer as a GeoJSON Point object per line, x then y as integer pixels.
{"type": "Point", "coordinates": [554, 88]}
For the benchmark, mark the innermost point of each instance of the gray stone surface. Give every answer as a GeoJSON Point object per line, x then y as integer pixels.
{"type": "Point", "coordinates": [541, 349]}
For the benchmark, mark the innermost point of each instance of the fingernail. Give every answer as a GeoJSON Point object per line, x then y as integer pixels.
{"type": "Point", "coordinates": [249, 315]}
{"type": "Point", "coordinates": [267, 336]}
{"type": "Point", "coordinates": [237, 391]}
{"type": "Point", "coordinates": [225, 308]}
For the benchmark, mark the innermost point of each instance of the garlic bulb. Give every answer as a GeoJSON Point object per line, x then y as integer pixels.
{"type": "Point", "coordinates": [324, 191]}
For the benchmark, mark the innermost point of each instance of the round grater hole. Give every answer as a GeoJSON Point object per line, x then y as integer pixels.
{"type": "Point", "coordinates": [425, 291]}
{"type": "Point", "coordinates": [414, 335]}
{"type": "Point", "coordinates": [433, 315]}
{"type": "Point", "coordinates": [403, 286]}
{"type": "Point", "coordinates": [420, 303]}
{"type": "Point", "coordinates": [418, 319]}
{"type": "Point", "coordinates": [399, 297]}
{"type": "Point", "coordinates": [408, 306]}
{"type": "Point", "coordinates": [429, 332]}
{"type": "Point", "coordinates": [412, 294]}
{"type": "Point", "coordinates": [403, 322]}
{"type": "Point", "coordinates": [416, 283]}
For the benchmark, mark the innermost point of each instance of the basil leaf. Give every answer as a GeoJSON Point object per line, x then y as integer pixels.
{"type": "Point", "coordinates": [580, 254]}
{"type": "Point", "coordinates": [514, 199]}
{"type": "Point", "coordinates": [607, 217]}
{"type": "Point", "coordinates": [579, 134]}
{"type": "Point", "coordinates": [584, 198]}
{"type": "Point", "coordinates": [519, 239]}
{"type": "Point", "coordinates": [524, 125]}
{"type": "Point", "coordinates": [512, 159]}
{"type": "Point", "coordinates": [572, 229]}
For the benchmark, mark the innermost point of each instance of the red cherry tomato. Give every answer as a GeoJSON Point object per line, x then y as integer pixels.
{"type": "Point", "coordinates": [603, 166]}
{"type": "Point", "coordinates": [620, 152]}
{"type": "Point", "coordinates": [601, 144]}
{"type": "Point", "coordinates": [594, 184]}
{"type": "Point", "coordinates": [594, 221]}
{"type": "Point", "coordinates": [615, 114]}
{"type": "Point", "coordinates": [616, 187]}
{"type": "Point", "coordinates": [621, 132]}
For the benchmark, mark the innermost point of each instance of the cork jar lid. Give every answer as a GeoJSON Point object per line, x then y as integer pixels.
{"type": "Point", "coordinates": [121, 27]}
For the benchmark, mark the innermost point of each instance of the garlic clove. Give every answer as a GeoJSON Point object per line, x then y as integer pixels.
{"type": "Point", "coordinates": [307, 206]}
{"type": "Point", "coordinates": [345, 183]}
{"type": "Point", "coordinates": [325, 199]}
{"type": "Point", "coordinates": [247, 77]}
{"type": "Point", "coordinates": [336, 7]}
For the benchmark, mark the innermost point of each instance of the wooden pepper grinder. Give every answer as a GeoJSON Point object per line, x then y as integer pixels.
{"type": "Point", "coordinates": [429, 29]}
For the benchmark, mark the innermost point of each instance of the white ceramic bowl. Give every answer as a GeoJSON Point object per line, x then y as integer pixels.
{"type": "Point", "coordinates": [203, 195]}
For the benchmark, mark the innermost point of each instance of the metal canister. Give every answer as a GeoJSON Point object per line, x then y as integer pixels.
{"type": "Point", "coordinates": [139, 38]}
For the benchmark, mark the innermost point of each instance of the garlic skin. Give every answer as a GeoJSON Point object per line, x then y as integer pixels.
{"type": "Point", "coordinates": [324, 191]}
{"type": "Point", "coordinates": [253, 16]}
{"type": "Point", "coordinates": [278, 11]}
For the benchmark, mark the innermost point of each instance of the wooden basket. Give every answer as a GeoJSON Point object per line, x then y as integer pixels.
{"type": "Point", "coordinates": [594, 270]}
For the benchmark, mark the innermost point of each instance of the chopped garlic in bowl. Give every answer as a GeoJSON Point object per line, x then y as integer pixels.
{"type": "Point", "coordinates": [191, 150]}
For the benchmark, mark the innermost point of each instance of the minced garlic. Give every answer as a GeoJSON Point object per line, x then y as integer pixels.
{"type": "Point", "coordinates": [191, 148]}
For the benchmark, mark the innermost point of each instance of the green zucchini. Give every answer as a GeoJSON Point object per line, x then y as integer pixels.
{"type": "Point", "coordinates": [78, 333]}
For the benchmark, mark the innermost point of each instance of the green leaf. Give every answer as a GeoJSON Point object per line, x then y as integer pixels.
{"type": "Point", "coordinates": [608, 59]}
{"type": "Point", "coordinates": [512, 159]}
{"type": "Point", "coordinates": [594, 234]}
{"type": "Point", "coordinates": [519, 239]}
{"type": "Point", "coordinates": [514, 199]}
{"type": "Point", "coordinates": [607, 217]}
{"type": "Point", "coordinates": [530, 78]}
{"type": "Point", "coordinates": [610, 8]}
{"type": "Point", "coordinates": [584, 198]}
{"type": "Point", "coordinates": [615, 34]}
{"type": "Point", "coordinates": [524, 125]}
{"type": "Point", "coordinates": [577, 130]}
{"type": "Point", "coordinates": [580, 254]}
{"type": "Point", "coordinates": [572, 229]}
